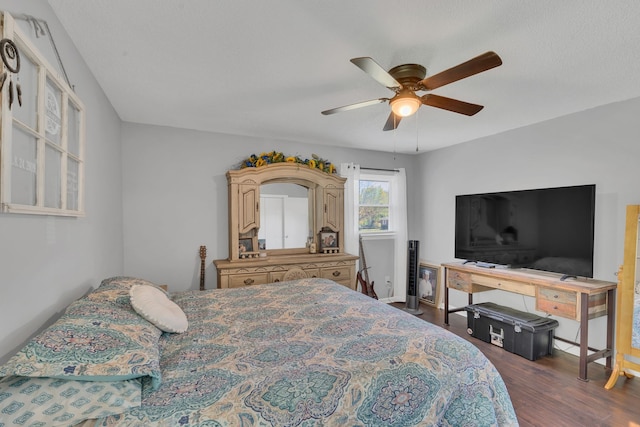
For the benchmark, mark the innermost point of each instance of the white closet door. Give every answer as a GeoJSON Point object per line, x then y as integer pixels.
{"type": "Point", "coordinates": [271, 220]}
{"type": "Point", "coordinates": [296, 222]}
{"type": "Point", "coordinates": [284, 221]}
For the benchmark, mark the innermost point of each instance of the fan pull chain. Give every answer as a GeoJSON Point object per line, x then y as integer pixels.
{"type": "Point", "coordinates": [416, 119]}
{"type": "Point", "coordinates": [395, 137]}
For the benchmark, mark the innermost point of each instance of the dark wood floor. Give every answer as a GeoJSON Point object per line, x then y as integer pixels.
{"type": "Point", "coordinates": [546, 392]}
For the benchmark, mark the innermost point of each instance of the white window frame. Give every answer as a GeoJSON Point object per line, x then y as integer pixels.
{"type": "Point", "coordinates": [46, 74]}
{"type": "Point", "coordinates": [380, 176]}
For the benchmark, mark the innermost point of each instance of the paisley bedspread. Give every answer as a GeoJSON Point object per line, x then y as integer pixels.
{"type": "Point", "coordinates": [303, 353]}
{"type": "Point", "coordinates": [310, 353]}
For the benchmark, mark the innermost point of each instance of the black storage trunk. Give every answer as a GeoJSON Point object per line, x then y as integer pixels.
{"type": "Point", "coordinates": [524, 334]}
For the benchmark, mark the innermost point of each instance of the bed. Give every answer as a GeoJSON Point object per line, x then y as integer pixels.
{"type": "Point", "coordinates": [308, 352]}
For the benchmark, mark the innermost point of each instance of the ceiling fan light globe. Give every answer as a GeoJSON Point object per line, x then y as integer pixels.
{"type": "Point", "coordinates": [405, 106]}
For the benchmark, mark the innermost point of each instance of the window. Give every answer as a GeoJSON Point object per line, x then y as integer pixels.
{"type": "Point", "coordinates": [373, 215]}
{"type": "Point", "coordinates": [388, 254]}
{"type": "Point", "coordinates": [42, 141]}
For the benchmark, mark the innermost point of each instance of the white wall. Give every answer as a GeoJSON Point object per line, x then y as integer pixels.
{"type": "Point", "coordinates": [598, 146]}
{"type": "Point", "coordinates": [175, 196]}
{"type": "Point", "coordinates": [46, 261]}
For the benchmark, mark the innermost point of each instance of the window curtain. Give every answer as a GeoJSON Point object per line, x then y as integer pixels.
{"type": "Point", "coordinates": [351, 207]}
{"type": "Point", "coordinates": [398, 207]}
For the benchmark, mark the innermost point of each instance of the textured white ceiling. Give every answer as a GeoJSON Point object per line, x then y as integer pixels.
{"type": "Point", "coordinates": [268, 68]}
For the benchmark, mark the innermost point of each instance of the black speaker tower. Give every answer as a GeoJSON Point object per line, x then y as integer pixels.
{"type": "Point", "coordinates": [413, 262]}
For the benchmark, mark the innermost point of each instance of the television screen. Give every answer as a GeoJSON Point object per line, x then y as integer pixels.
{"type": "Point", "coordinates": [550, 229]}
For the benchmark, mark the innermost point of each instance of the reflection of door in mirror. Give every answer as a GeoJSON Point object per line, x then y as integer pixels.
{"type": "Point", "coordinates": [284, 216]}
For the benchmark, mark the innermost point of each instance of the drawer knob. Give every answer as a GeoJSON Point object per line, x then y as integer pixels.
{"type": "Point", "coordinates": [248, 281]}
{"type": "Point", "coordinates": [336, 273]}
{"type": "Point", "coordinates": [555, 296]}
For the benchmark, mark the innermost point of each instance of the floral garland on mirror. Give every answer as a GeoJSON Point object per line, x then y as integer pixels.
{"type": "Point", "coordinates": [315, 162]}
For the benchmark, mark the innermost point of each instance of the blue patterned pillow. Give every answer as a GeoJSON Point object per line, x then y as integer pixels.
{"type": "Point", "coordinates": [116, 289]}
{"type": "Point", "coordinates": [54, 402]}
{"type": "Point", "coordinates": [100, 337]}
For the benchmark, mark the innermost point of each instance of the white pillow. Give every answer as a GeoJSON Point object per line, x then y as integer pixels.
{"type": "Point", "coordinates": [155, 306]}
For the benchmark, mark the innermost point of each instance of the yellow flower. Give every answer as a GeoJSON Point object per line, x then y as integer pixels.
{"type": "Point", "coordinates": [266, 158]}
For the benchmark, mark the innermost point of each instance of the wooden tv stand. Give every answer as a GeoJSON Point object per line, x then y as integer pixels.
{"type": "Point", "coordinates": [576, 299]}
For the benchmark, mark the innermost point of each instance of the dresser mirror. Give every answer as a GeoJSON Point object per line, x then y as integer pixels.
{"type": "Point", "coordinates": [628, 304]}
{"type": "Point", "coordinates": [285, 220]}
{"type": "Point", "coordinates": [280, 209]}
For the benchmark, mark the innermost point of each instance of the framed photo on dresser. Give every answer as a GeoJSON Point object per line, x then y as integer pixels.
{"type": "Point", "coordinates": [245, 245]}
{"type": "Point", "coordinates": [328, 239]}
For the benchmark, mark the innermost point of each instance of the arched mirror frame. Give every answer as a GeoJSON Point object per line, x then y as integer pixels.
{"type": "Point", "coordinates": [628, 305]}
{"type": "Point", "coordinates": [326, 206]}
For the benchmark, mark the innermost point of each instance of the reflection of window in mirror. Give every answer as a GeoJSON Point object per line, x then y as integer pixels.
{"type": "Point", "coordinates": [284, 216]}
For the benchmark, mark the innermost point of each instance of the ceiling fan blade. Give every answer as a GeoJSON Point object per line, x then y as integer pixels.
{"type": "Point", "coordinates": [392, 122]}
{"type": "Point", "coordinates": [450, 104]}
{"type": "Point", "coordinates": [379, 74]}
{"type": "Point", "coordinates": [354, 106]}
{"type": "Point", "coordinates": [476, 65]}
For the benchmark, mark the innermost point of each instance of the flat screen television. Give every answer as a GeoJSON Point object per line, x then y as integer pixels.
{"type": "Point", "coordinates": [550, 229]}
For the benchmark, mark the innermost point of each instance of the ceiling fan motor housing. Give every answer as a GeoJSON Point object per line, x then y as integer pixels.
{"type": "Point", "coordinates": [408, 75]}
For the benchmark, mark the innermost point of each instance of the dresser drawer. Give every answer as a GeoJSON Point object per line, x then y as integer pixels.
{"type": "Point", "coordinates": [459, 281]}
{"type": "Point", "coordinates": [338, 274]}
{"type": "Point", "coordinates": [276, 276]}
{"type": "Point", "coordinates": [465, 282]}
{"type": "Point", "coordinates": [312, 272]}
{"type": "Point", "coordinates": [240, 280]}
{"type": "Point", "coordinates": [558, 302]}
{"type": "Point", "coordinates": [292, 274]}
{"type": "Point", "coordinates": [505, 285]}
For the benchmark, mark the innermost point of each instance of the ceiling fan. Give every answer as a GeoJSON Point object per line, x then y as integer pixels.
{"type": "Point", "coordinates": [407, 79]}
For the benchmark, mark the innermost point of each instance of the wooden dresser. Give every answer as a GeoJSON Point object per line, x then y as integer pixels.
{"type": "Point", "coordinates": [257, 271]}
{"type": "Point", "coordinates": [248, 264]}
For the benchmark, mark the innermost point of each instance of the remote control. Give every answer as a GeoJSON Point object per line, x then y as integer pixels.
{"type": "Point", "coordinates": [485, 264]}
